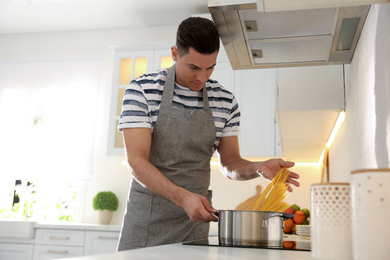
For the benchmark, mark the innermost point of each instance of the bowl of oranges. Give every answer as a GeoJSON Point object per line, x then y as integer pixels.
{"type": "Point", "coordinates": [301, 217]}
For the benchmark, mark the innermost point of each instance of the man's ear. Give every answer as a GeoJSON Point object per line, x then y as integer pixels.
{"type": "Point", "coordinates": [175, 53]}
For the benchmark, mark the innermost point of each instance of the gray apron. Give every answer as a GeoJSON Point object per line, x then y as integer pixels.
{"type": "Point", "coordinates": [181, 149]}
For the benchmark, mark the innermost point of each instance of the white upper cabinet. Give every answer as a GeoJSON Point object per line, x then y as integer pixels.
{"type": "Point", "coordinates": [311, 88]}
{"type": "Point", "coordinates": [255, 91]}
{"type": "Point", "coordinates": [309, 102]}
{"type": "Point", "coordinates": [127, 66]}
{"type": "Point", "coordinates": [256, 94]}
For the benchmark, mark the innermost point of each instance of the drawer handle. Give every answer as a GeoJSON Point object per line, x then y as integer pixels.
{"type": "Point", "coordinates": [59, 238]}
{"type": "Point", "coordinates": [107, 237]}
{"type": "Point", "coordinates": [57, 251]}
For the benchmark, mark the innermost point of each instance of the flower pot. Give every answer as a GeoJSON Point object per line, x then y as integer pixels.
{"type": "Point", "coordinates": [105, 216]}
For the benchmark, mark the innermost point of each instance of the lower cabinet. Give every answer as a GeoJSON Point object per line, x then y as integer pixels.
{"type": "Point", "coordinates": [16, 251]}
{"type": "Point", "coordinates": [45, 252]}
{"type": "Point", "coordinates": [52, 243]}
{"type": "Point", "coordinates": [100, 242]}
{"type": "Point", "coordinates": [56, 244]}
{"type": "Point", "coordinates": [65, 243]}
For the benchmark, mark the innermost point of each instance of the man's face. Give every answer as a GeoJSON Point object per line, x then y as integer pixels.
{"type": "Point", "coordinates": [193, 69]}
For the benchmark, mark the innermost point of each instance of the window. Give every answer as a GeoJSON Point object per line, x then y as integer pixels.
{"type": "Point", "coordinates": [47, 130]}
{"type": "Point", "coordinates": [47, 115]}
{"type": "Point", "coordinates": [42, 200]}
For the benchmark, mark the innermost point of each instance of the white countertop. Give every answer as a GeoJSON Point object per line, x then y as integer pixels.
{"type": "Point", "coordinates": [192, 252]}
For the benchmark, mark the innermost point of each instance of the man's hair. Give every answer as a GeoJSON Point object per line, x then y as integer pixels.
{"type": "Point", "coordinates": [198, 33]}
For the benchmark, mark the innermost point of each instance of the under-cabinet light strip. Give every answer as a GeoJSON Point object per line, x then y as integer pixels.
{"type": "Point", "coordinates": [336, 128]}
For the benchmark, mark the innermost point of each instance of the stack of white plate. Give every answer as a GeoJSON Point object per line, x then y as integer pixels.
{"type": "Point", "coordinates": [303, 244]}
{"type": "Point", "coordinates": [303, 230]}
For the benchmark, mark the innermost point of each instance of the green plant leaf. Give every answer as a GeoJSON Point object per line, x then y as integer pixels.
{"type": "Point", "coordinates": [105, 200]}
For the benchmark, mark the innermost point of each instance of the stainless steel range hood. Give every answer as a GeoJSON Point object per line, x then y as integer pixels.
{"type": "Point", "coordinates": [254, 39]}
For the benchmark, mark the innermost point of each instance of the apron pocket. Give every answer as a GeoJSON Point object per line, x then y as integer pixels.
{"type": "Point", "coordinates": [137, 219]}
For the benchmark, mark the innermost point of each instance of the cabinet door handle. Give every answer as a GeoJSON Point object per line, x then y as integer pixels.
{"type": "Point", "coordinates": [59, 238]}
{"type": "Point", "coordinates": [57, 251]}
{"type": "Point", "coordinates": [108, 237]}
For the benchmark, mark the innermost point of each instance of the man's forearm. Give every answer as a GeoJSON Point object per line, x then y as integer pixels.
{"type": "Point", "coordinates": [155, 181]}
{"type": "Point", "coordinates": [240, 169]}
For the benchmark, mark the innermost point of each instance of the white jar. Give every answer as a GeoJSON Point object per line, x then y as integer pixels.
{"type": "Point", "coordinates": [330, 221]}
{"type": "Point", "coordinates": [370, 204]}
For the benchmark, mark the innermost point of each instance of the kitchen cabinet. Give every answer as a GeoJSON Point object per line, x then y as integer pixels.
{"type": "Point", "coordinates": [127, 66]}
{"type": "Point", "coordinates": [46, 252]}
{"type": "Point", "coordinates": [56, 243]}
{"type": "Point", "coordinates": [309, 102]}
{"type": "Point", "coordinates": [256, 94]}
{"type": "Point", "coordinates": [255, 91]}
{"type": "Point", "coordinates": [16, 251]}
{"type": "Point", "coordinates": [100, 242]}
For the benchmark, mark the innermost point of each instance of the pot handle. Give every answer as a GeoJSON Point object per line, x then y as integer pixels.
{"type": "Point", "coordinates": [215, 215]}
{"type": "Point", "coordinates": [278, 214]}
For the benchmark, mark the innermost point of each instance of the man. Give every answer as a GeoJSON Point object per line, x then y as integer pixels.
{"type": "Point", "coordinates": [172, 122]}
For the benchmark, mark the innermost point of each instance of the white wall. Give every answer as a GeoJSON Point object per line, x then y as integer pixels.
{"type": "Point", "coordinates": [109, 173]}
{"type": "Point", "coordinates": [364, 139]}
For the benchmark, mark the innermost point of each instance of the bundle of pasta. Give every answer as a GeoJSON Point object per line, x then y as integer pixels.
{"type": "Point", "coordinates": [272, 199]}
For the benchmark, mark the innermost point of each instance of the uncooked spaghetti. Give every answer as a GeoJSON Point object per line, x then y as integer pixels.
{"type": "Point", "coordinates": [272, 199]}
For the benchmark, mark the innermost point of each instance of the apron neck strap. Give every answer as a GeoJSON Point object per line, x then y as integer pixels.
{"type": "Point", "coordinates": [167, 96]}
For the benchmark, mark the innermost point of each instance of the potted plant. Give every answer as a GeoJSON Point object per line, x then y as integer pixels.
{"type": "Point", "coordinates": [106, 202]}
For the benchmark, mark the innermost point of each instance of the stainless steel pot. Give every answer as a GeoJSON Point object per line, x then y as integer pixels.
{"type": "Point", "coordinates": [251, 228]}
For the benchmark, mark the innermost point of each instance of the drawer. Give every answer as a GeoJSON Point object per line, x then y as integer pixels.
{"type": "Point", "coordinates": [45, 252]}
{"type": "Point", "coordinates": [100, 242]}
{"type": "Point", "coordinates": [16, 251]}
{"type": "Point", "coordinates": [59, 237]}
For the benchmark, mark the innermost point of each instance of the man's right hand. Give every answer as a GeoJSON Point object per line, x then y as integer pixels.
{"type": "Point", "coordinates": [198, 208]}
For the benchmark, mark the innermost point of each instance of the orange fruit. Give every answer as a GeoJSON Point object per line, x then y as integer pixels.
{"type": "Point", "coordinates": [294, 228]}
{"type": "Point", "coordinates": [286, 230]}
{"type": "Point", "coordinates": [299, 217]}
{"type": "Point", "coordinates": [289, 223]}
{"type": "Point", "coordinates": [288, 244]}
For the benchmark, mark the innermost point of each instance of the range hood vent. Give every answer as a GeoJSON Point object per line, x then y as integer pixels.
{"type": "Point", "coordinates": [307, 37]}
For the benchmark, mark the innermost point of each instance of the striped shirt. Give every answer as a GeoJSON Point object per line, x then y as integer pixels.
{"type": "Point", "coordinates": [141, 104]}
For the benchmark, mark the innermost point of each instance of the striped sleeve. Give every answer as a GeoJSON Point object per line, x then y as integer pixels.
{"type": "Point", "coordinates": [225, 109]}
{"type": "Point", "coordinates": [135, 111]}
{"type": "Point", "coordinates": [232, 126]}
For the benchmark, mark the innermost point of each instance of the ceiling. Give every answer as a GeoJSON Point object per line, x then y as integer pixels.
{"type": "Point", "coordinates": [70, 15]}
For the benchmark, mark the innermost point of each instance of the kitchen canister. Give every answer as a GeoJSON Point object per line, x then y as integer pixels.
{"type": "Point", "coordinates": [370, 206]}
{"type": "Point", "coordinates": [330, 221]}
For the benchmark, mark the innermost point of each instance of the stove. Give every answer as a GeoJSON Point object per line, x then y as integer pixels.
{"type": "Point", "coordinates": [300, 245]}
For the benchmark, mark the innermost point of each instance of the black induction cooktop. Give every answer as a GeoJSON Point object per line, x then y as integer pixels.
{"type": "Point", "coordinates": [286, 245]}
